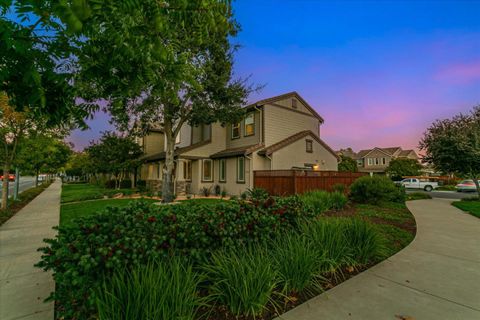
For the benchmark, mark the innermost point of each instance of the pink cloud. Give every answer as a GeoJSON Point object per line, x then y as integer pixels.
{"type": "Point", "coordinates": [463, 73]}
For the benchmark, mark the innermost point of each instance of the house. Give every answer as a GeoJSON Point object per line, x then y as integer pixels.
{"type": "Point", "coordinates": [281, 132]}
{"type": "Point", "coordinates": [376, 160]}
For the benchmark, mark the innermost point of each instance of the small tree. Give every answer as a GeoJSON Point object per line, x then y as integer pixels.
{"type": "Point", "coordinates": [79, 164]}
{"type": "Point", "coordinates": [453, 145]}
{"type": "Point", "coordinates": [116, 155]}
{"type": "Point", "coordinates": [42, 153]}
{"type": "Point", "coordinates": [347, 164]}
{"type": "Point", "coordinates": [400, 167]}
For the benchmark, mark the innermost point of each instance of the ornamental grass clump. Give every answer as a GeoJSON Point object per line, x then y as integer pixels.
{"type": "Point", "coordinates": [243, 280]}
{"type": "Point", "coordinates": [366, 244]}
{"type": "Point", "coordinates": [160, 290]}
{"type": "Point", "coordinates": [296, 261]}
{"type": "Point", "coordinates": [319, 201]}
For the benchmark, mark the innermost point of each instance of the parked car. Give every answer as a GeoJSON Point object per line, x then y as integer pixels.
{"type": "Point", "coordinates": [413, 183]}
{"type": "Point", "coordinates": [466, 185]}
{"type": "Point", "coordinates": [11, 177]}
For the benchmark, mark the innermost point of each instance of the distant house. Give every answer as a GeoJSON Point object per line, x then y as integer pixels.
{"type": "Point", "coordinates": [376, 160]}
{"type": "Point", "coordinates": [281, 132]}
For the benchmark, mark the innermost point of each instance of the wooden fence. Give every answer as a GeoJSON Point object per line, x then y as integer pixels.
{"type": "Point", "coordinates": [288, 182]}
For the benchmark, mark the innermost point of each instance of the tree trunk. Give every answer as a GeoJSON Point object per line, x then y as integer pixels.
{"type": "Point", "coordinates": [6, 170]}
{"type": "Point", "coordinates": [167, 170]}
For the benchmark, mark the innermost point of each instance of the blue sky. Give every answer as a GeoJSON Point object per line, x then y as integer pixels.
{"type": "Point", "coordinates": [379, 72]}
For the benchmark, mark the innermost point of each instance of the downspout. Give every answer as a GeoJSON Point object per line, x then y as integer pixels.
{"type": "Point", "coordinates": [251, 170]}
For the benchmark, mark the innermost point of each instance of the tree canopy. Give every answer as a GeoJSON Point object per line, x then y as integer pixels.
{"type": "Point", "coordinates": [453, 145]}
{"type": "Point", "coordinates": [400, 167]}
{"type": "Point", "coordinates": [347, 164]}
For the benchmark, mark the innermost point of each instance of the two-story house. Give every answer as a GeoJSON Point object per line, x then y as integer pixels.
{"type": "Point", "coordinates": [281, 132]}
{"type": "Point", "coordinates": [376, 160]}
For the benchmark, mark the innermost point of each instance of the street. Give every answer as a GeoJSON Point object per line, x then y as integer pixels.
{"type": "Point", "coordinates": [26, 182]}
{"type": "Point", "coordinates": [447, 194]}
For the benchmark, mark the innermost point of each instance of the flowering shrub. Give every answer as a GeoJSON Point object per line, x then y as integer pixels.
{"type": "Point", "coordinates": [95, 246]}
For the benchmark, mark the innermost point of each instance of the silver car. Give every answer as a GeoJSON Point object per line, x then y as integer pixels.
{"type": "Point", "coordinates": [466, 185]}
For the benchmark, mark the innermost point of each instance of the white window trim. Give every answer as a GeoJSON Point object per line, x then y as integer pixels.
{"type": "Point", "coordinates": [224, 178]}
{"type": "Point", "coordinates": [238, 170]}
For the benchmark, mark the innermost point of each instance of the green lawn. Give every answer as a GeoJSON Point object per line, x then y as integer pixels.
{"type": "Point", "coordinates": [70, 211]}
{"type": "Point", "coordinates": [472, 207]}
{"type": "Point", "coordinates": [85, 191]}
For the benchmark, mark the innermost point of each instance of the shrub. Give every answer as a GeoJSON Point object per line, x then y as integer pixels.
{"type": "Point", "coordinates": [164, 290]}
{"type": "Point", "coordinates": [110, 184]}
{"type": "Point", "coordinates": [340, 187]}
{"type": "Point", "coordinates": [224, 193]}
{"type": "Point", "coordinates": [206, 191]}
{"type": "Point", "coordinates": [338, 200]}
{"type": "Point", "coordinates": [123, 237]}
{"type": "Point", "coordinates": [126, 184]}
{"type": "Point", "coordinates": [296, 261]}
{"type": "Point", "coordinates": [243, 280]}
{"type": "Point", "coordinates": [318, 201]}
{"type": "Point", "coordinates": [376, 189]}
{"type": "Point", "coordinates": [258, 194]}
{"type": "Point", "coordinates": [364, 241]}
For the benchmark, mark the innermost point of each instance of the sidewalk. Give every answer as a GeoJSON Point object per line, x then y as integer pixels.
{"type": "Point", "coordinates": [436, 277]}
{"type": "Point", "coordinates": [22, 286]}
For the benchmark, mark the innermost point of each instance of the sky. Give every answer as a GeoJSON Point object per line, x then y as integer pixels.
{"type": "Point", "coordinates": [378, 72]}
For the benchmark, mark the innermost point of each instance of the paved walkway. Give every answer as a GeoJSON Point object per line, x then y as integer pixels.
{"type": "Point", "coordinates": [436, 277]}
{"type": "Point", "coordinates": [23, 287]}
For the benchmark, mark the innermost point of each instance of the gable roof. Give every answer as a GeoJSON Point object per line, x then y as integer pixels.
{"type": "Point", "coordinates": [405, 153]}
{"type": "Point", "coordinates": [285, 96]}
{"type": "Point", "coordinates": [364, 153]}
{"type": "Point", "coordinates": [293, 138]}
{"type": "Point", "coordinates": [176, 152]}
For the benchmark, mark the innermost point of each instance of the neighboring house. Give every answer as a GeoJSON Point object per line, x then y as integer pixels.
{"type": "Point", "coordinates": [282, 132]}
{"type": "Point", "coordinates": [376, 160]}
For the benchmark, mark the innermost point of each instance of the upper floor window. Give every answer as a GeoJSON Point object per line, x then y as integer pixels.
{"type": "Point", "coordinates": [384, 160]}
{"type": "Point", "coordinates": [370, 161]}
{"type": "Point", "coordinates": [236, 130]}
{"type": "Point", "coordinates": [294, 103]}
{"type": "Point", "coordinates": [309, 146]}
{"type": "Point", "coordinates": [187, 170]}
{"type": "Point", "coordinates": [249, 125]}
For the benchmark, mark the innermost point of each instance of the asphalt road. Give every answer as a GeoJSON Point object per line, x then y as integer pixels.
{"type": "Point", "coordinates": [25, 183]}
{"type": "Point", "coordinates": [447, 194]}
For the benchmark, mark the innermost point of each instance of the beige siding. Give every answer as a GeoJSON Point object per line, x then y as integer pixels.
{"type": "Point", "coordinates": [377, 154]}
{"type": "Point", "coordinates": [185, 136]}
{"type": "Point", "coordinates": [245, 141]}
{"type": "Point", "coordinates": [295, 155]}
{"type": "Point", "coordinates": [217, 143]}
{"type": "Point", "coordinates": [289, 104]}
{"type": "Point", "coordinates": [231, 186]}
{"type": "Point", "coordinates": [281, 123]}
{"type": "Point", "coordinates": [153, 143]}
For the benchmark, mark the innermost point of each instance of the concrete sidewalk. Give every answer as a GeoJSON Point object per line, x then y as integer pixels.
{"type": "Point", "coordinates": [436, 277]}
{"type": "Point", "coordinates": [22, 286]}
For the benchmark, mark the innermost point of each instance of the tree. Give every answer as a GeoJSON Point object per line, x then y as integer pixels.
{"type": "Point", "coordinates": [79, 164]}
{"type": "Point", "coordinates": [116, 155]}
{"type": "Point", "coordinates": [42, 153]}
{"type": "Point", "coordinates": [400, 167]}
{"type": "Point", "coordinates": [453, 145]}
{"type": "Point", "coordinates": [162, 63]}
{"type": "Point", "coordinates": [347, 164]}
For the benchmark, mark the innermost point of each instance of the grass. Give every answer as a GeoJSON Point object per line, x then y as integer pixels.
{"type": "Point", "coordinates": [395, 238]}
{"type": "Point", "coordinates": [389, 212]}
{"type": "Point", "coordinates": [71, 211]}
{"type": "Point", "coordinates": [418, 196]}
{"type": "Point", "coordinates": [85, 191]}
{"type": "Point", "coordinates": [472, 207]}
{"type": "Point", "coordinates": [23, 199]}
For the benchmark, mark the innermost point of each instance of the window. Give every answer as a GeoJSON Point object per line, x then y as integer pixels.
{"type": "Point", "coordinates": [249, 125]}
{"type": "Point", "coordinates": [207, 172]}
{"type": "Point", "coordinates": [222, 170]}
{"type": "Point", "coordinates": [370, 161]}
{"type": "Point", "coordinates": [240, 169]}
{"type": "Point", "coordinates": [309, 146]}
{"type": "Point", "coordinates": [187, 170]}
{"type": "Point", "coordinates": [236, 130]}
{"type": "Point", "coordinates": [294, 103]}
{"type": "Point", "coordinates": [377, 161]}
{"type": "Point", "coordinates": [384, 160]}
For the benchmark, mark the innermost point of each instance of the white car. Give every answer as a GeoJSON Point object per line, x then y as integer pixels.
{"type": "Point", "coordinates": [466, 185]}
{"type": "Point", "coordinates": [412, 183]}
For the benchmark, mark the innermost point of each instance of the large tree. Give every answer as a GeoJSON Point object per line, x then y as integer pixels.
{"type": "Point", "coordinates": [165, 63]}
{"type": "Point", "coordinates": [453, 145]}
{"type": "Point", "coordinates": [347, 164]}
{"type": "Point", "coordinates": [400, 167]}
{"type": "Point", "coordinates": [116, 155]}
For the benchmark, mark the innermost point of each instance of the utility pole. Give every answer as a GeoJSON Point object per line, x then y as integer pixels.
{"type": "Point", "coordinates": [16, 186]}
